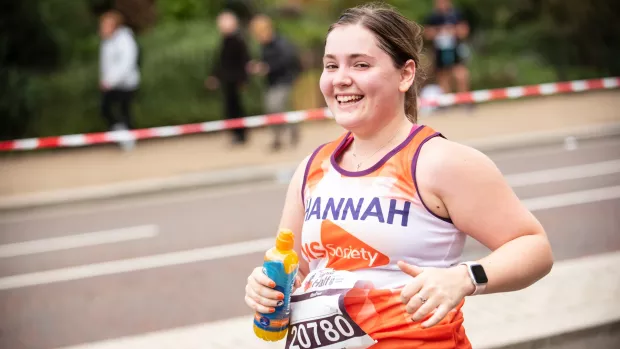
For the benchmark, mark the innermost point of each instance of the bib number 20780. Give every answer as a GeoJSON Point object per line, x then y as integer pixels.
{"type": "Point", "coordinates": [322, 333]}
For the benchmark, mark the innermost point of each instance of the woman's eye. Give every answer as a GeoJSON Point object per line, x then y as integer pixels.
{"type": "Point", "coordinates": [362, 65]}
{"type": "Point", "coordinates": [330, 66]}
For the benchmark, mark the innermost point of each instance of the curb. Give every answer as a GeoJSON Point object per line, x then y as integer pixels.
{"type": "Point", "coordinates": [255, 174]}
{"type": "Point", "coordinates": [278, 173]}
{"type": "Point", "coordinates": [605, 335]}
{"type": "Point", "coordinates": [566, 135]}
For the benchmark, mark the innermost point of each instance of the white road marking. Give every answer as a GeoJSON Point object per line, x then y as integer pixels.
{"type": "Point", "coordinates": [542, 304]}
{"type": "Point", "coordinates": [78, 240]}
{"type": "Point", "coordinates": [571, 143]}
{"type": "Point", "coordinates": [571, 199]}
{"type": "Point", "coordinates": [563, 173]}
{"type": "Point", "coordinates": [552, 149]}
{"type": "Point", "coordinates": [135, 264]}
{"type": "Point", "coordinates": [517, 180]}
{"type": "Point", "coordinates": [246, 247]}
{"type": "Point", "coordinates": [127, 203]}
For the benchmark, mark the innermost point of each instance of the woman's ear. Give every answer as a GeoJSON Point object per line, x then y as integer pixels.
{"type": "Point", "coordinates": [407, 76]}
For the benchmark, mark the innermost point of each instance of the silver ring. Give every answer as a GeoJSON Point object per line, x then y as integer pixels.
{"type": "Point", "coordinates": [422, 298]}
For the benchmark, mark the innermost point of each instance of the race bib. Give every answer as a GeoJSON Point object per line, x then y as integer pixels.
{"type": "Point", "coordinates": [318, 315]}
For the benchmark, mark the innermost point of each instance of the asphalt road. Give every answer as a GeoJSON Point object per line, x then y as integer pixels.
{"type": "Point", "coordinates": [182, 258]}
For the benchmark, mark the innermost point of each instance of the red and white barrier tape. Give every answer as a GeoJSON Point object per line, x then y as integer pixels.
{"type": "Point", "coordinates": [479, 96]}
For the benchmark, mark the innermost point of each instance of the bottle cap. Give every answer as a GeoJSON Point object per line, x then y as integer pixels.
{"type": "Point", "coordinates": [285, 240]}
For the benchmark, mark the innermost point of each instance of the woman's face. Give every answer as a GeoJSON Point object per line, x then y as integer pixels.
{"type": "Point", "coordinates": [360, 83]}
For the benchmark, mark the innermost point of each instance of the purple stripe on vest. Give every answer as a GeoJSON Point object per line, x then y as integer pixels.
{"type": "Point", "coordinates": [343, 144]}
{"type": "Point", "coordinates": [303, 184]}
{"type": "Point", "coordinates": [414, 164]}
{"type": "Point", "coordinates": [415, 129]}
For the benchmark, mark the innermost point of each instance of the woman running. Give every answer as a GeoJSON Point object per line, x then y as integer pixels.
{"type": "Point", "coordinates": [381, 214]}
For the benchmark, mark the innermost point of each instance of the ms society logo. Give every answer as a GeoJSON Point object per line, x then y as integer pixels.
{"type": "Point", "coordinates": [345, 251]}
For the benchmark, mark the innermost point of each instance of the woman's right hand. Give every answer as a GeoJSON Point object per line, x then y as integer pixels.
{"type": "Point", "coordinates": [259, 292]}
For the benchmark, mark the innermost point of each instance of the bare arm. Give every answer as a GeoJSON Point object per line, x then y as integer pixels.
{"type": "Point", "coordinates": [293, 213]}
{"type": "Point", "coordinates": [482, 205]}
{"type": "Point", "coordinates": [259, 292]}
{"type": "Point", "coordinates": [462, 30]}
{"type": "Point", "coordinates": [430, 32]}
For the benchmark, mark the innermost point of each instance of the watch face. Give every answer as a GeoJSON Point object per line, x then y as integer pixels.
{"type": "Point", "coordinates": [479, 274]}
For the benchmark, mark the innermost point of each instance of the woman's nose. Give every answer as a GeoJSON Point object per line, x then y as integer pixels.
{"type": "Point", "coordinates": [342, 77]}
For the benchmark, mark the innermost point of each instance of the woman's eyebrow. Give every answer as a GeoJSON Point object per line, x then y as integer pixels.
{"type": "Point", "coordinates": [353, 55]}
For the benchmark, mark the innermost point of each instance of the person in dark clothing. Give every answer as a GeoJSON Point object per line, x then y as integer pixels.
{"type": "Point", "coordinates": [281, 65]}
{"type": "Point", "coordinates": [229, 71]}
{"type": "Point", "coordinates": [447, 29]}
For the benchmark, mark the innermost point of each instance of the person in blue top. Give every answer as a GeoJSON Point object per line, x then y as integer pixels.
{"type": "Point", "coordinates": [447, 29]}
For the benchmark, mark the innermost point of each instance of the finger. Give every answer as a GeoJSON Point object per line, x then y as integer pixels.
{"type": "Point", "coordinates": [426, 308]}
{"type": "Point", "coordinates": [410, 269]}
{"type": "Point", "coordinates": [297, 281]}
{"type": "Point", "coordinates": [439, 314]}
{"type": "Point", "coordinates": [260, 299]}
{"type": "Point", "coordinates": [415, 303]}
{"type": "Point", "coordinates": [264, 291]}
{"type": "Point", "coordinates": [262, 278]}
{"type": "Point", "coordinates": [410, 290]}
{"type": "Point", "coordinates": [257, 307]}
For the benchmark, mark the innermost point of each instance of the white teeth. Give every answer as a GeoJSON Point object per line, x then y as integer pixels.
{"type": "Point", "coordinates": [344, 99]}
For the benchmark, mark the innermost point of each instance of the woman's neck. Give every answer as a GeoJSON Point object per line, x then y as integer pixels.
{"type": "Point", "coordinates": [394, 132]}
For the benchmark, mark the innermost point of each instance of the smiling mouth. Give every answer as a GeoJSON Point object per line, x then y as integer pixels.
{"type": "Point", "coordinates": [349, 100]}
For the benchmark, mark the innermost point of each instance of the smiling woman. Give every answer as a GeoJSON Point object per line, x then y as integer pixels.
{"type": "Point", "coordinates": [366, 53]}
{"type": "Point", "coordinates": [381, 214]}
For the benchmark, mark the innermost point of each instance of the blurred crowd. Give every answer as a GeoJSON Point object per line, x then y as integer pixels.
{"type": "Point", "coordinates": [279, 64]}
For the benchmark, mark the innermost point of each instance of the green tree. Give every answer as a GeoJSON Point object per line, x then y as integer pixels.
{"type": "Point", "coordinates": [26, 48]}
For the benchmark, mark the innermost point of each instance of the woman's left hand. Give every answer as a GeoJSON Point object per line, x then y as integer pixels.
{"type": "Point", "coordinates": [434, 289]}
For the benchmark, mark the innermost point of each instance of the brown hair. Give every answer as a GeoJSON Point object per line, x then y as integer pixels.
{"type": "Point", "coordinates": [399, 37]}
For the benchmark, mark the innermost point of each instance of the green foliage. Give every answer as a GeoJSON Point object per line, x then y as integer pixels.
{"type": "Point", "coordinates": [21, 23]}
{"type": "Point", "coordinates": [513, 42]}
{"type": "Point", "coordinates": [176, 62]}
{"type": "Point", "coordinates": [73, 27]}
{"type": "Point", "coordinates": [18, 94]}
{"type": "Point", "coordinates": [182, 9]}
{"type": "Point", "coordinates": [304, 32]}
{"type": "Point", "coordinates": [185, 52]}
{"type": "Point", "coordinates": [25, 41]}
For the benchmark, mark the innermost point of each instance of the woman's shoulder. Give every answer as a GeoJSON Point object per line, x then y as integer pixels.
{"type": "Point", "coordinates": [323, 150]}
{"type": "Point", "coordinates": [320, 151]}
{"type": "Point", "coordinates": [447, 162]}
{"type": "Point", "coordinates": [452, 151]}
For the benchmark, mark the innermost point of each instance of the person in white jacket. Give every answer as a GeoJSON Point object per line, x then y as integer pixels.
{"type": "Point", "coordinates": [118, 69]}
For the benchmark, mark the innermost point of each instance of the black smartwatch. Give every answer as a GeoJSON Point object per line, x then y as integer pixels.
{"type": "Point", "coordinates": [477, 275]}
